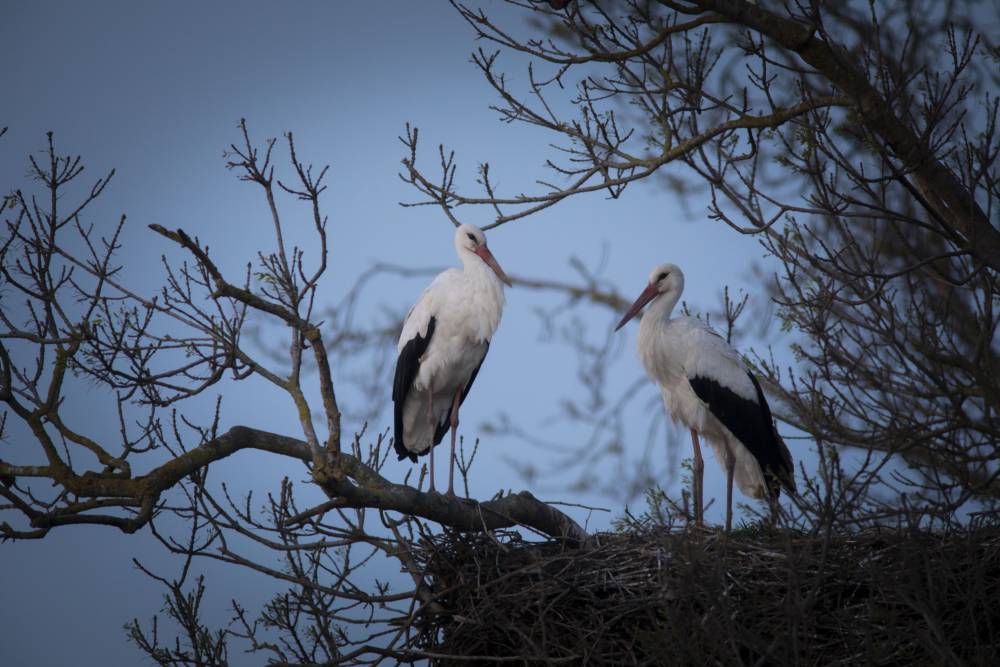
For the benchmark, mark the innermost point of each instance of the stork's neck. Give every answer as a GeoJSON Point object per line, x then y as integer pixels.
{"type": "Point", "coordinates": [660, 309]}
{"type": "Point", "coordinates": [478, 271]}
{"type": "Point", "coordinates": [482, 297]}
{"type": "Point", "coordinates": [652, 328]}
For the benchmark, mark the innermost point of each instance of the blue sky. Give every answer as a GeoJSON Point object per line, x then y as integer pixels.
{"type": "Point", "coordinates": [155, 91]}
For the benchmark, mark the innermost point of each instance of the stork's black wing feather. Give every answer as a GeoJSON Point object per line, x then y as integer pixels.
{"type": "Point", "coordinates": [785, 471]}
{"type": "Point", "coordinates": [406, 371]}
{"type": "Point", "coordinates": [443, 428]}
{"type": "Point", "coordinates": [750, 421]}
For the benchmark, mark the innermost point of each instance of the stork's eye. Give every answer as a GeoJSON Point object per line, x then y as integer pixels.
{"type": "Point", "coordinates": [471, 237]}
{"type": "Point", "coordinates": [661, 276]}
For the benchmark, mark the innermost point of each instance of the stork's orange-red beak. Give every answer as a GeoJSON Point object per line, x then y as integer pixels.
{"type": "Point", "coordinates": [644, 298]}
{"type": "Point", "coordinates": [491, 261]}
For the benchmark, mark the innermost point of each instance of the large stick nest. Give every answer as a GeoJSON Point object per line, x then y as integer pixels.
{"type": "Point", "coordinates": [698, 598]}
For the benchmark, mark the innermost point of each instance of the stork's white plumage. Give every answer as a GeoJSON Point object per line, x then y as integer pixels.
{"type": "Point", "coordinates": [707, 387]}
{"type": "Point", "coordinates": [444, 341]}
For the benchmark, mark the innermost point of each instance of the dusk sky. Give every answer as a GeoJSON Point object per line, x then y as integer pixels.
{"type": "Point", "coordinates": [155, 91]}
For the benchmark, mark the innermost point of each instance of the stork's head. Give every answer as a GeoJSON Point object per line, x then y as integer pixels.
{"type": "Point", "coordinates": [470, 239]}
{"type": "Point", "coordinates": [665, 281]}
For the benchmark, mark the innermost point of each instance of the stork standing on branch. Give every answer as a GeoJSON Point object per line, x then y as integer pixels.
{"type": "Point", "coordinates": [707, 387]}
{"type": "Point", "coordinates": [444, 341]}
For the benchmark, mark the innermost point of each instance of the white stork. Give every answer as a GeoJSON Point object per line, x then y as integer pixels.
{"type": "Point", "coordinates": [707, 387]}
{"type": "Point", "coordinates": [444, 341]}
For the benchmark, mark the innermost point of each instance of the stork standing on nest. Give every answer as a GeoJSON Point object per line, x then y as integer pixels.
{"type": "Point", "coordinates": [444, 341]}
{"type": "Point", "coordinates": [707, 387]}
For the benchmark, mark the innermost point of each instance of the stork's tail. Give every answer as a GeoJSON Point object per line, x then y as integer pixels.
{"type": "Point", "coordinates": [785, 473]}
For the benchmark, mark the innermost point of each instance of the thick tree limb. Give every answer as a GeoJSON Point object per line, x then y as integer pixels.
{"type": "Point", "coordinates": [349, 483]}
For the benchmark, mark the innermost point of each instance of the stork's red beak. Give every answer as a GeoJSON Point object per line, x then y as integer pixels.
{"type": "Point", "coordinates": [644, 298]}
{"type": "Point", "coordinates": [491, 261]}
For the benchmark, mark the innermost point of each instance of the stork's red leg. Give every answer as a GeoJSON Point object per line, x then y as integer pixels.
{"type": "Point", "coordinates": [697, 479]}
{"type": "Point", "coordinates": [775, 508]}
{"type": "Point", "coordinates": [454, 432]}
{"type": "Point", "coordinates": [433, 422]}
{"type": "Point", "coordinates": [730, 469]}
